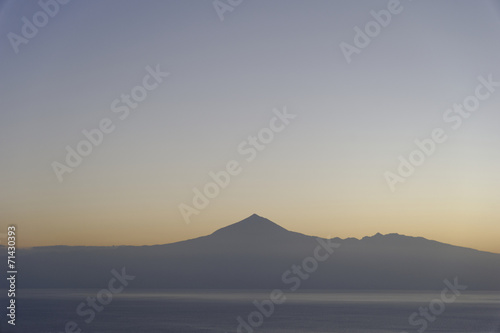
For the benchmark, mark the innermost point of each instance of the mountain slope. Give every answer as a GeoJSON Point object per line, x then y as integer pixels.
{"type": "Point", "coordinates": [255, 253]}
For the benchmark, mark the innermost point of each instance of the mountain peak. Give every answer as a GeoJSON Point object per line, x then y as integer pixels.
{"type": "Point", "coordinates": [378, 235]}
{"type": "Point", "coordinates": [253, 225]}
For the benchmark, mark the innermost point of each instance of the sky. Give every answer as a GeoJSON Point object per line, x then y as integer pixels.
{"type": "Point", "coordinates": [320, 170]}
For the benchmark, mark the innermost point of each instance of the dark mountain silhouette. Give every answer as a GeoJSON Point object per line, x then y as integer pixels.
{"type": "Point", "coordinates": [254, 254]}
{"type": "Point", "coordinates": [253, 225]}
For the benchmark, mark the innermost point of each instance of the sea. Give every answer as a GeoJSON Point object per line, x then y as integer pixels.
{"type": "Point", "coordinates": [243, 311]}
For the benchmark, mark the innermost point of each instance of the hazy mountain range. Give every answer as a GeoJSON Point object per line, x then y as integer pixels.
{"type": "Point", "coordinates": [256, 253]}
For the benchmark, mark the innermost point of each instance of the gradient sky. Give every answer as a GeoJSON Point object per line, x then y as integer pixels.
{"type": "Point", "coordinates": [323, 175]}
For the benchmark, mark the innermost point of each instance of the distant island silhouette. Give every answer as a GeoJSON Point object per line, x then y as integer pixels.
{"type": "Point", "coordinates": [255, 253]}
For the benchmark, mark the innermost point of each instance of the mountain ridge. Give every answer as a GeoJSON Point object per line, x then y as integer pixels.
{"type": "Point", "coordinates": [254, 253]}
{"type": "Point", "coordinates": [254, 221]}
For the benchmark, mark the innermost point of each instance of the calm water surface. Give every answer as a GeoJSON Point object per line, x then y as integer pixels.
{"type": "Point", "coordinates": [44, 311]}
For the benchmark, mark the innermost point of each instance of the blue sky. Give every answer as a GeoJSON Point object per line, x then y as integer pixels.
{"type": "Point", "coordinates": [322, 175]}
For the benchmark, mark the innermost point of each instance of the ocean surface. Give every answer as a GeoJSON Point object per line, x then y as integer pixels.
{"type": "Point", "coordinates": [206, 311]}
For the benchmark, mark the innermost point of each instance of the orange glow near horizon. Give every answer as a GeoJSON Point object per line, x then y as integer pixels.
{"type": "Point", "coordinates": [100, 232]}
